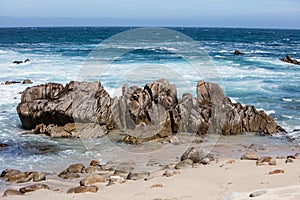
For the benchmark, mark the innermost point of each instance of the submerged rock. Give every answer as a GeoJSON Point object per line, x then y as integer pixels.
{"type": "Point", "coordinates": [288, 59]}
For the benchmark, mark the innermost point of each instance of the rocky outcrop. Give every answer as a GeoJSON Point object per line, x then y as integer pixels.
{"type": "Point", "coordinates": [288, 59]}
{"type": "Point", "coordinates": [145, 114]}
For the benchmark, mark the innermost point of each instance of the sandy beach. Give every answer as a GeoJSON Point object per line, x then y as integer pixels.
{"type": "Point", "coordinates": [223, 179]}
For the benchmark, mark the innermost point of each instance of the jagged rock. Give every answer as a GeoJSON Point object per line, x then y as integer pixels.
{"type": "Point", "coordinates": [53, 103]}
{"type": "Point", "coordinates": [10, 192]}
{"type": "Point", "coordinates": [33, 188]}
{"type": "Point", "coordinates": [150, 113]}
{"type": "Point", "coordinates": [83, 189]}
{"type": "Point", "coordinates": [288, 59]}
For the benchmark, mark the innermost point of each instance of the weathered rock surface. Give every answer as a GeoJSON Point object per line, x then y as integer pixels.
{"type": "Point", "coordinates": [17, 176]}
{"type": "Point", "coordinates": [288, 59]}
{"type": "Point", "coordinates": [72, 172]}
{"type": "Point", "coordinates": [250, 155]}
{"type": "Point", "coordinates": [84, 109]}
{"type": "Point", "coordinates": [92, 179]}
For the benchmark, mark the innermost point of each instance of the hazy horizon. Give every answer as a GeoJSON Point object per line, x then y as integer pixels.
{"type": "Point", "coordinates": [169, 13]}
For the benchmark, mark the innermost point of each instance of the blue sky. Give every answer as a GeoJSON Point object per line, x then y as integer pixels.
{"type": "Point", "coordinates": [225, 13]}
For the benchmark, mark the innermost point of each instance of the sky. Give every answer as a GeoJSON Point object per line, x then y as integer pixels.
{"type": "Point", "coordinates": [214, 13]}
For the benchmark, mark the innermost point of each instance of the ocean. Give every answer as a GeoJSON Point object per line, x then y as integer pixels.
{"type": "Point", "coordinates": [62, 54]}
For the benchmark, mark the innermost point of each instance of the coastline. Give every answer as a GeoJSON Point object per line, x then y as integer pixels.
{"type": "Point", "coordinates": [219, 180]}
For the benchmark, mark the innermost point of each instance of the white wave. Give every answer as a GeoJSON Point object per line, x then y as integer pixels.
{"type": "Point", "coordinates": [287, 99]}
{"type": "Point", "coordinates": [269, 112]}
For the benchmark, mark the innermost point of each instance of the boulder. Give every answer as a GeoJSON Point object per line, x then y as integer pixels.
{"type": "Point", "coordinates": [266, 160]}
{"type": "Point", "coordinates": [17, 176]}
{"type": "Point", "coordinates": [137, 175]}
{"type": "Point", "coordinates": [11, 82]}
{"type": "Point", "coordinates": [194, 155]}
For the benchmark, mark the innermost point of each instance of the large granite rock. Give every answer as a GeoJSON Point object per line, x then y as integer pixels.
{"type": "Point", "coordinates": [144, 114]}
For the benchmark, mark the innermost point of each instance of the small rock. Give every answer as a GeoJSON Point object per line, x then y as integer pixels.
{"type": "Point", "coordinates": [205, 161]}
{"type": "Point", "coordinates": [69, 176]}
{"type": "Point", "coordinates": [38, 176]}
{"type": "Point", "coordinates": [258, 193]}
{"type": "Point", "coordinates": [277, 171]}
{"type": "Point", "coordinates": [291, 157]}
{"type": "Point", "coordinates": [174, 140]}
{"type": "Point", "coordinates": [3, 145]}
{"type": "Point", "coordinates": [289, 160]}
{"type": "Point", "coordinates": [83, 189]}
{"type": "Point", "coordinates": [184, 164]}
{"type": "Point", "coordinates": [11, 192]}
{"type": "Point", "coordinates": [92, 179]}
{"type": "Point", "coordinates": [157, 185]}
{"type": "Point", "coordinates": [230, 161]}
{"type": "Point", "coordinates": [76, 168]}
{"type": "Point", "coordinates": [237, 52]}
{"type": "Point", "coordinates": [27, 81]}
{"type": "Point", "coordinates": [137, 175]}
{"type": "Point", "coordinates": [33, 188]}
{"type": "Point", "coordinates": [169, 173]}
{"type": "Point", "coordinates": [250, 155]}
{"type": "Point", "coordinates": [94, 163]}
{"type": "Point", "coordinates": [194, 154]}
{"type": "Point", "coordinates": [266, 160]}
{"type": "Point", "coordinates": [11, 82]}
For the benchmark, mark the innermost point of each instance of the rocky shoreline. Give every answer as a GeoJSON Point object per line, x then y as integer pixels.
{"type": "Point", "coordinates": [144, 114]}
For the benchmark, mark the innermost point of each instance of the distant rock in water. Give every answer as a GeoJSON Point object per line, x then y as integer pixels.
{"type": "Point", "coordinates": [237, 52]}
{"type": "Point", "coordinates": [146, 114]}
{"type": "Point", "coordinates": [20, 61]}
{"type": "Point", "coordinates": [288, 59]}
{"type": "Point", "coordinates": [11, 82]}
{"type": "Point", "coordinates": [27, 81]}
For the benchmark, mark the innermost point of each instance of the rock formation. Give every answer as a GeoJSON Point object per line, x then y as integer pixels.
{"type": "Point", "coordinates": [288, 59]}
{"type": "Point", "coordinates": [237, 52]}
{"type": "Point", "coordinates": [144, 114]}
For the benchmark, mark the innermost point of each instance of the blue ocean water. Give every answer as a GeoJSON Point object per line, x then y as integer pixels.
{"type": "Point", "coordinates": [58, 54]}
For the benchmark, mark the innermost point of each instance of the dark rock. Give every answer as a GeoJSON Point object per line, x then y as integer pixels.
{"type": "Point", "coordinates": [237, 52]}
{"type": "Point", "coordinates": [27, 60]}
{"type": "Point", "coordinates": [289, 160]}
{"type": "Point", "coordinates": [11, 192]}
{"type": "Point", "coordinates": [27, 81]}
{"type": "Point", "coordinates": [83, 189]}
{"type": "Point", "coordinates": [288, 59]}
{"type": "Point", "coordinates": [33, 188]}
{"type": "Point", "coordinates": [291, 157]}
{"type": "Point", "coordinates": [76, 168]}
{"type": "Point", "coordinates": [17, 62]}
{"type": "Point", "coordinates": [11, 82]}
{"type": "Point", "coordinates": [258, 193]}
{"type": "Point", "coordinates": [3, 145]}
